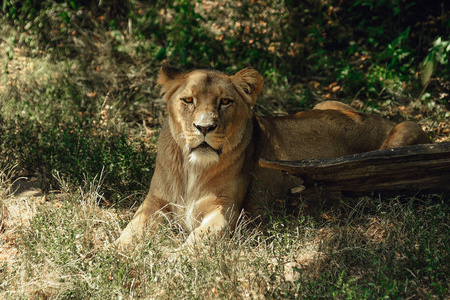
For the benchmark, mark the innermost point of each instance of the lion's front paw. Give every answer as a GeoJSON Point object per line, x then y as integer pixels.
{"type": "Point", "coordinates": [125, 239]}
{"type": "Point", "coordinates": [193, 240]}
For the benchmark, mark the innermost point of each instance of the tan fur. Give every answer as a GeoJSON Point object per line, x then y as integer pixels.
{"type": "Point", "coordinates": [203, 186]}
{"type": "Point", "coordinates": [336, 105]}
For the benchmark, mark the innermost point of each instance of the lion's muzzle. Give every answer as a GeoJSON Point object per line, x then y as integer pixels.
{"type": "Point", "coordinates": [206, 122]}
{"type": "Point", "coordinates": [205, 129]}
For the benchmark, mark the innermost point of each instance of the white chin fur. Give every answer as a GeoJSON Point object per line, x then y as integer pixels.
{"type": "Point", "coordinates": [203, 158]}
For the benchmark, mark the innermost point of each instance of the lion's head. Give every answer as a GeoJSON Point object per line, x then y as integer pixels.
{"type": "Point", "coordinates": [209, 111]}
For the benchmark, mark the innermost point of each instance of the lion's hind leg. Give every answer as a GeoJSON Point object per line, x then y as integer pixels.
{"type": "Point", "coordinates": [405, 134]}
{"type": "Point", "coordinates": [334, 105]}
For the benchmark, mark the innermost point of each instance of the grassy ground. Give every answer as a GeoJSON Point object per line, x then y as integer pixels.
{"type": "Point", "coordinates": [80, 115]}
{"type": "Point", "coordinates": [61, 248]}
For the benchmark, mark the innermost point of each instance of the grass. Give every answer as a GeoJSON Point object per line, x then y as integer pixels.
{"type": "Point", "coordinates": [369, 249]}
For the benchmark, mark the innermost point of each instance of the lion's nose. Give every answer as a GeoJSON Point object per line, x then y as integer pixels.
{"type": "Point", "coordinates": [205, 129]}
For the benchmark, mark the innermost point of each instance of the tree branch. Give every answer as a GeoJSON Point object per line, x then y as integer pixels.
{"type": "Point", "coordinates": [411, 169]}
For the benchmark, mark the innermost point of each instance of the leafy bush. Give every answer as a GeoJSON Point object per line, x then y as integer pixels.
{"type": "Point", "coordinates": [438, 55]}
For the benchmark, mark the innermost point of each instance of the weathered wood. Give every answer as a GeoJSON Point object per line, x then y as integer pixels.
{"type": "Point", "coordinates": [418, 168]}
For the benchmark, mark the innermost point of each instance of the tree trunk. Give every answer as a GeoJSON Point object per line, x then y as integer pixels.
{"type": "Point", "coordinates": [405, 170]}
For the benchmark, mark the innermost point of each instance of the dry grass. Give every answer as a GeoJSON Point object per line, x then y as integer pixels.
{"type": "Point", "coordinates": [59, 249]}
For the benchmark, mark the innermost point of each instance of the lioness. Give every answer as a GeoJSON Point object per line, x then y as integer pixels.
{"type": "Point", "coordinates": [211, 141]}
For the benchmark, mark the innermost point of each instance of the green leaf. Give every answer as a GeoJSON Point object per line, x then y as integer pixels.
{"type": "Point", "coordinates": [428, 67]}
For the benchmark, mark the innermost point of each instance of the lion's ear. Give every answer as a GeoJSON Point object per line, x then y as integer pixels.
{"type": "Point", "coordinates": [169, 78]}
{"type": "Point", "coordinates": [250, 82]}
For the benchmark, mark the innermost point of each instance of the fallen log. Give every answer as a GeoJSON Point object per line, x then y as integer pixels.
{"type": "Point", "coordinates": [405, 170]}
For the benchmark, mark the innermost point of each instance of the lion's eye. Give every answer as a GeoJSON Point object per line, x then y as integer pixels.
{"type": "Point", "coordinates": [225, 101]}
{"type": "Point", "coordinates": [188, 100]}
